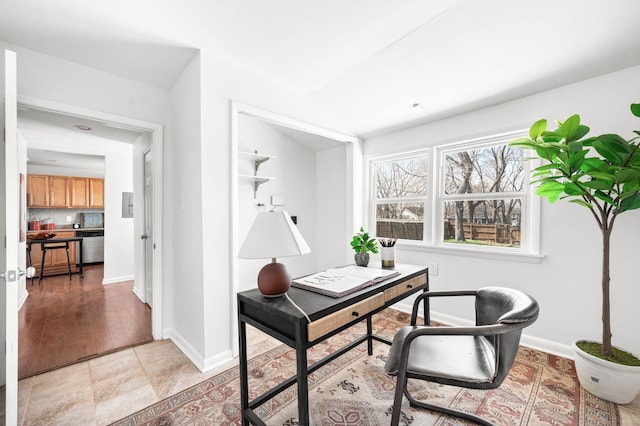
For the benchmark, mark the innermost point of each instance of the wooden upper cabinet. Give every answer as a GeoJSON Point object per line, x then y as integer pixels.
{"type": "Point", "coordinates": [96, 192]}
{"type": "Point", "coordinates": [79, 188]}
{"type": "Point", "coordinates": [64, 191]}
{"type": "Point", "coordinates": [37, 191]}
{"type": "Point", "coordinates": [58, 191]}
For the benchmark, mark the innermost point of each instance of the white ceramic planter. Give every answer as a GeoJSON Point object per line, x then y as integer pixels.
{"type": "Point", "coordinates": [607, 380]}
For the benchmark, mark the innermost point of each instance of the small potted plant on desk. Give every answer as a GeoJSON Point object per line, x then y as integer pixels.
{"type": "Point", "coordinates": [602, 174]}
{"type": "Point", "coordinates": [362, 244]}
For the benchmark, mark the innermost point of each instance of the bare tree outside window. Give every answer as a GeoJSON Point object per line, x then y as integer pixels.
{"type": "Point", "coordinates": [401, 191]}
{"type": "Point", "coordinates": [483, 193]}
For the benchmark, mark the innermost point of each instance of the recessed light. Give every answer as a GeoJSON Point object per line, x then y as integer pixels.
{"type": "Point", "coordinates": [417, 107]}
{"type": "Point", "coordinates": [82, 127]}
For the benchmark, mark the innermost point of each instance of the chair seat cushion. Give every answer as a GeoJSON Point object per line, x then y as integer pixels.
{"type": "Point", "coordinates": [453, 359]}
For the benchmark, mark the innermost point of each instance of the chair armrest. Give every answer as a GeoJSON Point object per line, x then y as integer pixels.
{"type": "Point", "coordinates": [425, 297]}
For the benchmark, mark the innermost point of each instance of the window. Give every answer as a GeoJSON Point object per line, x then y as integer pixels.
{"type": "Point", "coordinates": [401, 188]}
{"type": "Point", "coordinates": [478, 198]}
{"type": "Point", "coordinates": [482, 195]}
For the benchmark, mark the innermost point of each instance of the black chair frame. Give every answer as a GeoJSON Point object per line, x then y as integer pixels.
{"type": "Point", "coordinates": [495, 331]}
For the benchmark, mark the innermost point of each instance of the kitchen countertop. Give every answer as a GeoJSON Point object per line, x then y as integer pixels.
{"type": "Point", "coordinates": [63, 230]}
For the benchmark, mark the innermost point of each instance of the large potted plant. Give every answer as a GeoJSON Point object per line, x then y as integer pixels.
{"type": "Point", "coordinates": [362, 243]}
{"type": "Point", "coordinates": [601, 174]}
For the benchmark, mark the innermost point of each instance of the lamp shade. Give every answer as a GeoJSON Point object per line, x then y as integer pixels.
{"type": "Point", "coordinates": [273, 234]}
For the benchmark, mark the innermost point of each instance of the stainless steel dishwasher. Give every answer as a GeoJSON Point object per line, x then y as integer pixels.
{"type": "Point", "coordinates": [92, 246]}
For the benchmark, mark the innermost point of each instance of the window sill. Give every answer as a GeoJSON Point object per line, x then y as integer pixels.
{"type": "Point", "coordinates": [493, 254]}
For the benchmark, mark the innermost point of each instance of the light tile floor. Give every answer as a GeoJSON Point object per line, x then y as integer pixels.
{"type": "Point", "coordinates": [105, 389]}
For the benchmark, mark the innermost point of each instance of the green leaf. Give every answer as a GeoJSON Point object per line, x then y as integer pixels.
{"type": "Point", "coordinates": [635, 109]}
{"type": "Point", "coordinates": [572, 189]}
{"type": "Point", "coordinates": [602, 176]}
{"type": "Point", "coordinates": [592, 163]}
{"type": "Point", "coordinates": [551, 190]}
{"type": "Point", "coordinates": [581, 202]}
{"type": "Point", "coordinates": [606, 150]}
{"type": "Point", "coordinates": [538, 128]}
{"type": "Point", "coordinates": [598, 184]}
{"type": "Point", "coordinates": [616, 142]}
{"type": "Point", "coordinates": [627, 175]}
{"type": "Point", "coordinates": [630, 203]}
{"type": "Point", "coordinates": [523, 143]}
{"type": "Point", "coordinates": [575, 146]}
{"type": "Point", "coordinates": [569, 127]}
{"type": "Point", "coordinates": [580, 133]}
{"type": "Point", "coordinates": [604, 197]}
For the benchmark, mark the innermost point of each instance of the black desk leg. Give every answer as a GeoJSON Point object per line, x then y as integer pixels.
{"type": "Point", "coordinates": [244, 377]}
{"type": "Point", "coordinates": [369, 336]}
{"type": "Point", "coordinates": [303, 384]}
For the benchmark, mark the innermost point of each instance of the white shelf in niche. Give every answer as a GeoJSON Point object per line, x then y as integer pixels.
{"type": "Point", "coordinates": [257, 159]}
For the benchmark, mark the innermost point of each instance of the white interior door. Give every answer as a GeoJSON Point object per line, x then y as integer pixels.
{"type": "Point", "coordinates": [148, 228]}
{"type": "Point", "coordinates": [10, 232]}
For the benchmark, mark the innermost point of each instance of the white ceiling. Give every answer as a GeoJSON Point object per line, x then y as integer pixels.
{"type": "Point", "coordinates": [367, 61]}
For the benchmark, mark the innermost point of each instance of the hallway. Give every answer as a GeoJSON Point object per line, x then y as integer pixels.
{"type": "Point", "coordinates": [65, 321]}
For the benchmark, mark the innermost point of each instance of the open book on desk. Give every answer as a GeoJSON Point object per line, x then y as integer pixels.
{"type": "Point", "coordinates": [338, 282]}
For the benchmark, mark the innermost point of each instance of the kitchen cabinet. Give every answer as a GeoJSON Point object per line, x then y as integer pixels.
{"type": "Point", "coordinates": [47, 191]}
{"type": "Point", "coordinates": [96, 192]}
{"type": "Point", "coordinates": [37, 191]}
{"type": "Point", "coordinates": [58, 191]}
{"type": "Point", "coordinates": [64, 192]}
{"type": "Point", "coordinates": [79, 190]}
{"type": "Point", "coordinates": [86, 192]}
{"type": "Point", "coordinates": [55, 261]}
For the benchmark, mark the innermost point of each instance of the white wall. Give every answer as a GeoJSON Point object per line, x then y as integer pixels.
{"type": "Point", "coordinates": [188, 224]}
{"type": "Point", "coordinates": [333, 229]}
{"type": "Point", "coordinates": [566, 282]}
{"type": "Point", "coordinates": [220, 84]}
{"type": "Point", "coordinates": [294, 170]}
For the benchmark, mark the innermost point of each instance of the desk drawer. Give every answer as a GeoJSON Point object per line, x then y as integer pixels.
{"type": "Point", "coordinates": [400, 289]}
{"type": "Point", "coordinates": [337, 319]}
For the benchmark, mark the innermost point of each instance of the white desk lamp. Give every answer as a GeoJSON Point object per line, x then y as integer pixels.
{"type": "Point", "coordinates": [272, 235]}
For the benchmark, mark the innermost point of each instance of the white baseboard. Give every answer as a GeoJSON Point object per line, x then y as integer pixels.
{"type": "Point", "coordinates": [543, 345]}
{"type": "Point", "coordinates": [204, 365]}
{"type": "Point", "coordinates": [22, 300]}
{"type": "Point", "coordinates": [118, 279]}
{"type": "Point", "coordinates": [138, 295]}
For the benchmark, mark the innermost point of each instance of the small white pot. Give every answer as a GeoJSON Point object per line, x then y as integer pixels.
{"type": "Point", "coordinates": [607, 380]}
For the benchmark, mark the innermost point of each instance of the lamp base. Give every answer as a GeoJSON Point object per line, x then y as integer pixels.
{"type": "Point", "coordinates": [274, 280]}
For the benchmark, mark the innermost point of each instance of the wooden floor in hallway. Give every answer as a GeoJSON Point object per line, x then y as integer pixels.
{"type": "Point", "coordinates": [64, 321]}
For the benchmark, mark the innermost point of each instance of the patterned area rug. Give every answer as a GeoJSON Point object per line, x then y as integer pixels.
{"type": "Point", "coordinates": [541, 389]}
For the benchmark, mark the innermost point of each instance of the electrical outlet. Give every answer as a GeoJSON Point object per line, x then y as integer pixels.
{"type": "Point", "coordinates": [433, 269]}
{"type": "Point", "coordinates": [68, 218]}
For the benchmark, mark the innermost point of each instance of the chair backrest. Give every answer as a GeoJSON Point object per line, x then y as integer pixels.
{"type": "Point", "coordinates": [496, 305]}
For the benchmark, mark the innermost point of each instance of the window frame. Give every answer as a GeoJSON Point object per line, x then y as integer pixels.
{"type": "Point", "coordinates": [374, 201]}
{"type": "Point", "coordinates": [433, 241]}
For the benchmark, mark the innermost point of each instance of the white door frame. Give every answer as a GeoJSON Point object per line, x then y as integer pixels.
{"type": "Point", "coordinates": [157, 141]}
{"type": "Point", "coordinates": [10, 279]}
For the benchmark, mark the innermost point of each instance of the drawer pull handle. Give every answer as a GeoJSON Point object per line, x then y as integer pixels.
{"type": "Point", "coordinates": [355, 314]}
{"type": "Point", "coordinates": [409, 286]}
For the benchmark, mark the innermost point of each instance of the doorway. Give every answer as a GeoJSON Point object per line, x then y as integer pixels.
{"type": "Point", "coordinates": [149, 141]}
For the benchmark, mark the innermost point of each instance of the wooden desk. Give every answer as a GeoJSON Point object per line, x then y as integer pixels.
{"type": "Point", "coordinates": [55, 242]}
{"type": "Point", "coordinates": [280, 319]}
